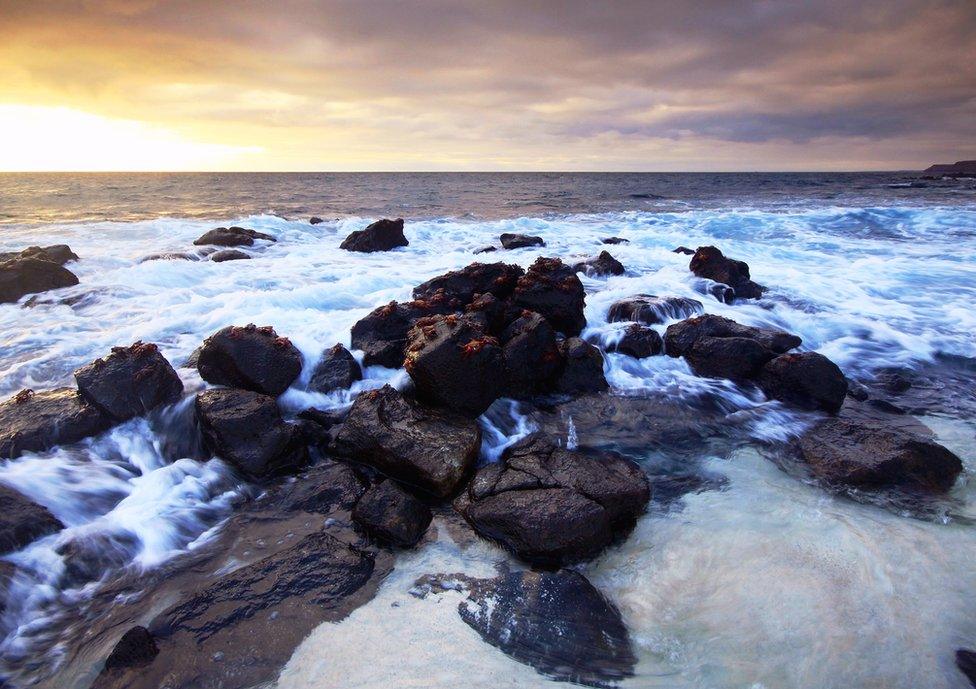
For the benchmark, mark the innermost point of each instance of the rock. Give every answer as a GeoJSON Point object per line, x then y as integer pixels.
{"type": "Point", "coordinates": [532, 358]}
{"type": "Point", "coordinates": [172, 256]}
{"type": "Point", "coordinates": [966, 662]}
{"type": "Point", "coordinates": [34, 422]}
{"type": "Point", "coordinates": [649, 309]}
{"type": "Point", "coordinates": [552, 289]}
{"type": "Point", "coordinates": [806, 379]}
{"type": "Point", "coordinates": [519, 241]}
{"type": "Point", "coordinates": [604, 264]}
{"type": "Point", "coordinates": [231, 236]}
{"type": "Point", "coordinates": [382, 334]}
{"type": "Point", "coordinates": [552, 506]}
{"type": "Point", "coordinates": [497, 279]}
{"type": "Point", "coordinates": [337, 369]}
{"type": "Point", "coordinates": [582, 368]}
{"type": "Point", "coordinates": [88, 556]}
{"type": "Point", "coordinates": [22, 520]}
{"type": "Point", "coordinates": [454, 364]}
{"type": "Point", "coordinates": [684, 250]}
{"type": "Point", "coordinates": [30, 275]}
{"type": "Point", "coordinates": [960, 168]}
{"type": "Point", "coordinates": [228, 255]}
{"type": "Point", "coordinates": [392, 515]}
{"type": "Point", "coordinates": [709, 262]}
{"type": "Point", "coordinates": [245, 428]}
{"type": "Point", "coordinates": [615, 240]}
{"type": "Point", "coordinates": [315, 220]}
{"type": "Point", "coordinates": [251, 358]}
{"type": "Point", "coordinates": [130, 381]}
{"type": "Point", "coordinates": [382, 235]}
{"type": "Point", "coordinates": [872, 454]}
{"type": "Point", "coordinates": [679, 337]}
{"type": "Point", "coordinates": [493, 314]}
{"type": "Point", "coordinates": [486, 250]}
{"type": "Point", "coordinates": [721, 293]}
{"type": "Point", "coordinates": [431, 449]}
{"type": "Point", "coordinates": [638, 341]}
{"type": "Point", "coordinates": [58, 253]}
{"type": "Point", "coordinates": [325, 487]}
{"type": "Point", "coordinates": [556, 622]}
{"type": "Point", "coordinates": [135, 648]}
{"type": "Point", "coordinates": [324, 418]}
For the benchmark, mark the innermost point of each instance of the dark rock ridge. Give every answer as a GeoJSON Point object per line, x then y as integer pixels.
{"type": "Point", "coordinates": [337, 369]}
{"type": "Point", "coordinates": [431, 449]}
{"type": "Point", "coordinates": [251, 358]}
{"type": "Point", "coordinates": [382, 235]}
{"type": "Point", "coordinates": [392, 515]}
{"type": "Point", "coordinates": [604, 264]}
{"type": "Point", "coordinates": [649, 309]}
{"type": "Point", "coordinates": [552, 506]}
{"type": "Point", "coordinates": [638, 341]}
{"type": "Point", "coordinates": [30, 275]}
{"type": "Point", "coordinates": [519, 241]}
{"type": "Point", "coordinates": [33, 422]}
{"type": "Point", "coordinates": [231, 236]}
{"type": "Point", "coordinates": [245, 428]}
{"type": "Point", "coordinates": [582, 369]}
{"type": "Point", "coordinates": [382, 334]}
{"type": "Point", "coordinates": [709, 262]}
{"type": "Point", "coordinates": [552, 288]}
{"type": "Point", "coordinates": [807, 380]}
{"type": "Point", "coordinates": [22, 520]}
{"type": "Point", "coordinates": [229, 255]}
{"type": "Point", "coordinates": [497, 279]}
{"type": "Point", "coordinates": [129, 382]}
{"type": "Point", "coordinates": [961, 168]}
{"type": "Point", "coordinates": [57, 253]}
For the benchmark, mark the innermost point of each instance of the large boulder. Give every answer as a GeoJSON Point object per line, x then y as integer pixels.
{"type": "Point", "coordinates": [431, 449]}
{"type": "Point", "coordinates": [33, 422]}
{"type": "Point", "coordinates": [130, 381]}
{"type": "Point", "coordinates": [251, 358]}
{"type": "Point", "coordinates": [231, 236]}
{"type": "Point", "coordinates": [337, 369]}
{"type": "Point", "coordinates": [454, 364]}
{"type": "Point", "coordinates": [29, 275]}
{"type": "Point", "coordinates": [519, 241]}
{"type": "Point", "coordinates": [552, 288]}
{"type": "Point", "coordinates": [532, 358]}
{"type": "Point", "coordinates": [582, 369]}
{"type": "Point", "coordinates": [382, 235]}
{"type": "Point", "coordinates": [392, 515]}
{"type": "Point", "coordinates": [637, 341]}
{"type": "Point", "coordinates": [709, 262]}
{"type": "Point", "coordinates": [57, 253]}
{"type": "Point", "coordinates": [497, 279]}
{"type": "Point", "coordinates": [245, 428]}
{"type": "Point", "coordinates": [552, 506]}
{"type": "Point", "coordinates": [22, 520]}
{"type": "Point", "coordinates": [649, 309]}
{"type": "Point", "coordinates": [604, 264]}
{"type": "Point", "coordinates": [805, 379]}
{"type": "Point", "coordinates": [382, 334]}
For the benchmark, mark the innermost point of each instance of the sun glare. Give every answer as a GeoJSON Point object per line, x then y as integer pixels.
{"type": "Point", "coordinates": [36, 138]}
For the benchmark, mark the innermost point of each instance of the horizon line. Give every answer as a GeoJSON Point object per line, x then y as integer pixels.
{"type": "Point", "coordinates": [451, 172]}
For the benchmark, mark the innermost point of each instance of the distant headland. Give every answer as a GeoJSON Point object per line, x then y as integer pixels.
{"type": "Point", "coordinates": [962, 168]}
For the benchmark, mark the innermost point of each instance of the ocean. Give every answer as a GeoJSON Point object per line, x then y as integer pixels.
{"type": "Point", "coordinates": [768, 582]}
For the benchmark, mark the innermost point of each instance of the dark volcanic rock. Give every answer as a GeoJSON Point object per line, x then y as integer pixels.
{"type": "Point", "coordinates": [684, 250]}
{"type": "Point", "coordinates": [604, 264]}
{"type": "Point", "coordinates": [497, 279]}
{"type": "Point", "coordinates": [228, 255]}
{"type": "Point", "coordinates": [136, 647]}
{"type": "Point", "coordinates": [556, 622]}
{"type": "Point", "coordinates": [57, 253]}
{"type": "Point", "coordinates": [29, 275]}
{"type": "Point", "coordinates": [382, 235]}
{"type": "Point", "coordinates": [337, 369]}
{"type": "Point", "coordinates": [130, 381]}
{"type": "Point", "coordinates": [806, 379]}
{"type": "Point", "coordinates": [382, 334]}
{"type": "Point", "coordinates": [493, 314]}
{"type": "Point", "coordinates": [582, 368]}
{"type": "Point", "coordinates": [33, 422]}
{"type": "Point", "coordinates": [648, 309]}
{"type": "Point", "coordinates": [323, 488]}
{"type": "Point", "coordinates": [709, 262]}
{"type": "Point", "coordinates": [532, 358]}
{"type": "Point", "coordinates": [315, 220]}
{"type": "Point", "coordinates": [454, 364]}
{"type": "Point", "coordinates": [246, 429]}
{"type": "Point", "coordinates": [966, 662]}
{"type": "Point", "coordinates": [638, 341]}
{"type": "Point", "coordinates": [431, 449]}
{"type": "Point", "coordinates": [22, 520]}
{"type": "Point", "coordinates": [552, 289]}
{"type": "Point", "coordinates": [231, 236]}
{"type": "Point", "coordinates": [519, 241]}
{"type": "Point", "coordinates": [615, 240]}
{"type": "Point", "coordinates": [390, 514]}
{"type": "Point", "coordinates": [552, 506]}
{"type": "Point", "coordinates": [681, 336]}
{"type": "Point", "coordinates": [251, 358]}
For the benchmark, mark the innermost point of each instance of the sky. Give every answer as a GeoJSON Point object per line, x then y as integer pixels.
{"type": "Point", "coordinates": [508, 85]}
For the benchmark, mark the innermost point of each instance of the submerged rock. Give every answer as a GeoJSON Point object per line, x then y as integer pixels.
{"type": "Point", "coordinates": [57, 253]}
{"type": "Point", "coordinates": [22, 520]}
{"type": "Point", "coordinates": [582, 369]}
{"type": "Point", "coordinates": [382, 235]}
{"type": "Point", "coordinates": [806, 379]}
{"type": "Point", "coordinates": [229, 255]}
{"type": "Point", "coordinates": [604, 264]}
{"type": "Point", "coordinates": [231, 236]}
{"type": "Point", "coordinates": [709, 262]}
{"type": "Point", "coordinates": [382, 334]}
{"type": "Point", "coordinates": [614, 240]}
{"type": "Point", "coordinates": [337, 369]}
{"type": "Point", "coordinates": [638, 341]}
{"type": "Point", "coordinates": [87, 556]}
{"type": "Point", "coordinates": [30, 275]}
{"type": "Point", "coordinates": [520, 241]}
{"type": "Point", "coordinates": [251, 358]}
{"type": "Point", "coordinates": [552, 288]}
{"type": "Point", "coordinates": [497, 279]}
{"type": "Point", "coordinates": [486, 250]}
{"type": "Point", "coordinates": [392, 515]}
{"type": "Point", "coordinates": [315, 220]}
{"type": "Point", "coordinates": [33, 422]}
{"type": "Point", "coordinates": [649, 309]}
{"type": "Point", "coordinates": [170, 256]}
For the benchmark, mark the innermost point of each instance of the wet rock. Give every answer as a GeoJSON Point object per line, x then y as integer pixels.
{"type": "Point", "coordinates": [615, 240]}
{"type": "Point", "coordinates": [709, 262]}
{"type": "Point", "coordinates": [497, 279]}
{"type": "Point", "coordinates": [135, 648]}
{"type": "Point", "coordinates": [638, 341]}
{"type": "Point", "coordinates": [582, 368]}
{"type": "Point", "coordinates": [22, 520]}
{"type": "Point", "coordinates": [382, 334]}
{"type": "Point", "coordinates": [556, 622]}
{"type": "Point", "coordinates": [649, 309]}
{"type": "Point", "coordinates": [679, 337]}
{"type": "Point", "coordinates": [315, 220]}
{"type": "Point", "coordinates": [322, 489]}
{"type": "Point", "coordinates": [130, 381]}
{"type": "Point", "coordinates": [519, 241]}
{"type": "Point", "coordinates": [684, 250]}
{"type": "Point", "coordinates": [325, 418]}
{"type": "Point", "coordinates": [30, 275]}
{"type": "Point", "coordinates": [966, 662]}
{"type": "Point", "coordinates": [454, 364]}
{"type": "Point", "coordinates": [88, 556]}
{"type": "Point", "coordinates": [552, 506]}
{"type": "Point", "coordinates": [251, 358]}
{"type": "Point", "coordinates": [171, 256]}
{"type": "Point", "coordinates": [532, 358]}
{"type": "Point", "coordinates": [431, 449]}
{"type": "Point", "coordinates": [229, 255]}
{"type": "Point", "coordinates": [551, 288]}
{"type": "Point", "coordinates": [493, 314]}
{"type": "Point", "coordinates": [486, 250]}
{"type": "Point", "coordinates": [57, 253]}
{"type": "Point", "coordinates": [33, 422]}
{"type": "Point", "coordinates": [382, 235]}
{"type": "Point", "coordinates": [892, 381]}
{"type": "Point", "coordinates": [231, 236]}
{"type": "Point", "coordinates": [246, 429]}
{"type": "Point", "coordinates": [390, 514]}
{"type": "Point", "coordinates": [337, 369]}
{"type": "Point", "coordinates": [806, 379]}
{"type": "Point", "coordinates": [604, 264]}
{"type": "Point", "coordinates": [721, 293]}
